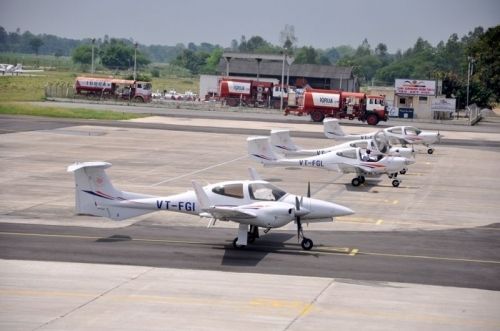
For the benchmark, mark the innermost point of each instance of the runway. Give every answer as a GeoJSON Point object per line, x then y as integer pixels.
{"type": "Point", "coordinates": [425, 255]}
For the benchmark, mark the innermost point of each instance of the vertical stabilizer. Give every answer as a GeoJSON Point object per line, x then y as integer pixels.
{"type": "Point", "coordinates": [332, 129]}
{"type": "Point", "coordinates": [259, 149]}
{"type": "Point", "coordinates": [95, 195]}
{"type": "Point", "coordinates": [281, 141]}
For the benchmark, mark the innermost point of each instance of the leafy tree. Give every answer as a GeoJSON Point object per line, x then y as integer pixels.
{"type": "Point", "coordinates": [82, 54]}
{"type": "Point", "coordinates": [212, 61]}
{"type": "Point", "coordinates": [118, 55]}
{"type": "Point", "coordinates": [35, 44]}
{"type": "Point", "coordinates": [306, 55]}
{"type": "Point", "coordinates": [485, 52]}
{"type": "Point", "coordinates": [191, 60]}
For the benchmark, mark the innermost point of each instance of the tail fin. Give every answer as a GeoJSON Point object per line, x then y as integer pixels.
{"type": "Point", "coordinates": [332, 129]}
{"type": "Point", "coordinates": [259, 149]}
{"type": "Point", "coordinates": [95, 195]}
{"type": "Point", "coordinates": [281, 141]}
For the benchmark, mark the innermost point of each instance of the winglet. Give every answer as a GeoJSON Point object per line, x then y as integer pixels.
{"type": "Point", "coordinates": [202, 197]}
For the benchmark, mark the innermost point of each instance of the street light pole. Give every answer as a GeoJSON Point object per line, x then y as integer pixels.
{"type": "Point", "coordinates": [470, 68]}
{"type": "Point", "coordinates": [282, 79]}
{"type": "Point", "coordinates": [135, 61]}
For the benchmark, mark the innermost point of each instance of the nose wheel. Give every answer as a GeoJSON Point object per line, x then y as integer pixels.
{"type": "Point", "coordinates": [306, 243]}
{"type": "Point", "coordinates": [395, 180]}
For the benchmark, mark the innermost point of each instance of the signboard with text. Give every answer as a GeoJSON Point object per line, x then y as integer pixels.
{"type": "Point", "coordinates": [415, 87]}
{"type": "Point", "coordinates": [442, 104]}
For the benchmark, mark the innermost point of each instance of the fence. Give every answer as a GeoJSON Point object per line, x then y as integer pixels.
{"type": "Point", "coordinates": [59, 90]}
{"type": "Point", "coordinates": [474, 114]}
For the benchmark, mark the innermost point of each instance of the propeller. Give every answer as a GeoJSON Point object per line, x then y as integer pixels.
{"type": "Point", "coordinates": [299, 213]}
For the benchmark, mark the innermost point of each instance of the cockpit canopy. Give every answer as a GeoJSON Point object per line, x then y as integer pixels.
{"type": "Point", "coordinates": [261, 191]}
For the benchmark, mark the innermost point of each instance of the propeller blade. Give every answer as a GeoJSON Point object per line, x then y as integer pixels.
{"type": "Point", "coordinates": [297, 203]}
{"type": "Point", "coordinates": [308, 189]}
{"type": "Point", "coordinates": [299, 228]}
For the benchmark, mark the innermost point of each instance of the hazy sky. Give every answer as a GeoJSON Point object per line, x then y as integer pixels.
{"type": "Point", "coordinates": [317, 23]}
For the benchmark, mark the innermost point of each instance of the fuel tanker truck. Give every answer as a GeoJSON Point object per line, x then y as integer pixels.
{"type": "Point", "coordinates": [251, 93]}
{"type": "Point", "coordinates": [113, 88]}
{"type": "Point", "coordinates": [334, 103]}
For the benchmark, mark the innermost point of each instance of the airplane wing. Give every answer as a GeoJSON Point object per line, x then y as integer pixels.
{"type": "Point", "coordinates": [358, 169]}
{"type": "Point", "coordinates": [229, 213]}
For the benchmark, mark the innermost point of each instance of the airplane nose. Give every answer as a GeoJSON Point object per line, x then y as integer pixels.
{"type": "Point", "coordinates": [339, 210]}
{"type": "Point", "coordinates": [409, 161]}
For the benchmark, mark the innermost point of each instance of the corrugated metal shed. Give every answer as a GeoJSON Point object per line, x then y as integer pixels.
{"type": "Point", "coordinates": [267, 68]}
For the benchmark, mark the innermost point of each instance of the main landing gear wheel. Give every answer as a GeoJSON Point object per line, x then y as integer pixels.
{"type": "Point", "coordinates": [395, 183]}
{"type": "Point", "coordinates": [430, 151]}
{"type": "Point", "coordinates": [235, 245]}
{"type": "Point", "coordinates": [307, 244]}
{"type": "Point", "coordinates": [356, 181]}
{"type": "Point", "coordinates": [402, 171]}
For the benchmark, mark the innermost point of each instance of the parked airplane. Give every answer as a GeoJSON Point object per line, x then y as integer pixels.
{"type": "Point", "coordinates": [253, 203]}
{"type": "Point", "coordinates": [401, 134]}
{"type": "Point", "coordinates": [18, 69]}
{"type": "Point", "coordinates": [349, 160]}
{"type": "Point", "coordinates": [378, 145]}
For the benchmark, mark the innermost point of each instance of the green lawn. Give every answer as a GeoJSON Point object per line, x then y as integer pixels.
{"type": "Point", "coordinates": [32, 88]}
{"type": "Point", "coordinates": [20, 108]}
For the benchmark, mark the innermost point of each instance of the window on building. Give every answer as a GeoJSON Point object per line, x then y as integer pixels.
{"type": "Point", "coordinates": [402, 101]}
{"type": "Point", "coordinates": [422, 100]}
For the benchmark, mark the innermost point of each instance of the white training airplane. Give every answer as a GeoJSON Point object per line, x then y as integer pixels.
{"type": "Point", "coordinates": [18, 69]}
{"type": "Point", "coordinates": [401, 134]}
{"type": "Point", "coordinates": [349, 160]}
{"type": "Point", "coordinates": [378, 145]}
{"type": "Point", "coordinates": [253, 203]}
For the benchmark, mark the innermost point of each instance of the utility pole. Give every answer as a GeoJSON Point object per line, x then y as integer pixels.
{"type": "Point", "coordinates": [92, 68]}
{"type": "Point", "coordinates": [135, 61]}
{"type": "Point", "coordinates": [282, 79]}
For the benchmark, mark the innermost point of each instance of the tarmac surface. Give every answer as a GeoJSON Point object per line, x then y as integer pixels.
{"type": "Point", "coordinates": [424, 256]}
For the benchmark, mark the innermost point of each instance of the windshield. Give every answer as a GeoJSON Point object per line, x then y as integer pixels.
{"type": "Point", "coordinates": [412, 131]}
{"type": "Point", "coordinates": [349, 153]}
{"type": "Point", "coordinates": [265, 191]}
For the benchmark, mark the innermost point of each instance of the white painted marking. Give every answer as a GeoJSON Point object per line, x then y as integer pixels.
{"type": "Point", "coordinates": [198, 171]}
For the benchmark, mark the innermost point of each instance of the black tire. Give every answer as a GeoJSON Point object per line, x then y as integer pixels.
{"type": "Point", "coordinates": [235, 245]}
{"type": "Point", "coordinates": [430, 151]}
{"type": "Point", "coordinates": [355, 182]}
{"type": "Point", "coordinates": [402, 172]}
{"type": "Point", "coordinates": [395, 183]}
{"type": "Point", "coordinates": [232, 102]}
{"type": "Point", "coordinates": [317, 116]}
{"type": "Point", "coordinates": [307, 244]}
{"type": "Point", "coordinates": [139, 100]}
{"type": "Point", "coordinates": [372, 119]}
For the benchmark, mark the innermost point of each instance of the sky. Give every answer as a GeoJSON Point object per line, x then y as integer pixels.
{"type": "Point", "coordinates": [317, 23]}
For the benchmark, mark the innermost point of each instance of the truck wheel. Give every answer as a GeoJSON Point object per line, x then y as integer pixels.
{"type": "Point", "coordinates": [372, 119]}
{"type": "Point", "coordinates": [317, 116]}
{"type": "Point", "coordinates": [139, 99]}
{"type": "Point", "coordinates": [232, 102]}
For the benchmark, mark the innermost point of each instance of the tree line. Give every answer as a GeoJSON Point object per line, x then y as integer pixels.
{"type": "Point", "coordinates": [448, 61]}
